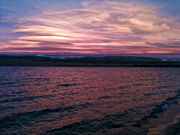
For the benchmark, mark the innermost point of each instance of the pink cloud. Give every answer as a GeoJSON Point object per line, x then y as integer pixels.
{"type": "Point", "coordinates": [98, 27]}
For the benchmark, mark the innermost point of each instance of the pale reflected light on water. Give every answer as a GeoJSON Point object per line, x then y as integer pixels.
{"type": "Point", "coordinates": [86, 100]}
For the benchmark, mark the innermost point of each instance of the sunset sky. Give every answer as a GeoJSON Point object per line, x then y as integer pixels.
{"type": "Point", "coordinates": [67, 27]}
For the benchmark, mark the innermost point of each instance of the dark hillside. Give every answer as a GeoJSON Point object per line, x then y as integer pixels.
{"type": "Point", "coordinates": [109, 61]}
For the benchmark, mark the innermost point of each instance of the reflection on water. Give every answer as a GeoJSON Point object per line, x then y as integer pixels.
{"type": "Point", "coordinates": [86, 100]}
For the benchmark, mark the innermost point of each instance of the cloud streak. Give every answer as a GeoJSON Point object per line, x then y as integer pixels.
{"type": "Point", "coordinates": [98, 27]}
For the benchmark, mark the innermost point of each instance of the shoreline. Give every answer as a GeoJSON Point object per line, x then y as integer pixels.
{"type": "Point", "coordinates": [169, 120]}
{"type": "Point", "coordinates": [172, 128]}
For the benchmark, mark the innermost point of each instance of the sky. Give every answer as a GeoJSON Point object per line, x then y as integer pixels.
{"type": "Point", "coordinates": [90, 27]}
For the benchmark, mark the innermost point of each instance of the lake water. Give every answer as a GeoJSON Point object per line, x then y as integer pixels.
{"type": "Point", "coordinates": [81, 100]}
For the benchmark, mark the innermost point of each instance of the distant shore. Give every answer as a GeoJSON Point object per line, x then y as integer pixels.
{"type": "Point", "coordinates": [108, 61]}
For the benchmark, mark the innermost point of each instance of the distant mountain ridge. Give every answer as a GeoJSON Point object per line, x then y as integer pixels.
{"type": "Point", "coordinates": [109, 61]}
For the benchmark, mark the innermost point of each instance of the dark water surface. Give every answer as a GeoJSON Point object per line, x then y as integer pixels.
{"type": "Point", "coordinates": [85, 100]}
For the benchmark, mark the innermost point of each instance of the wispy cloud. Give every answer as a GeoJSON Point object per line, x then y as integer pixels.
{"type": "Point", "coordinates": [98, 27]}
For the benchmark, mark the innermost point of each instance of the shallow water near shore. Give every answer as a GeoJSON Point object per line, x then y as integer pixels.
{"type": "Point", "coordinates": [84, 100]}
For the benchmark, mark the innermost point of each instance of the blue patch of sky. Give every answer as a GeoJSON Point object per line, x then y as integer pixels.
{"type": "Point", "coordinates": [166, 7]}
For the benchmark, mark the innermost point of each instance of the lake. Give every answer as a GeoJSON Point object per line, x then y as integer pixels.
{"type": "Point", "coordinates": [82, 100]}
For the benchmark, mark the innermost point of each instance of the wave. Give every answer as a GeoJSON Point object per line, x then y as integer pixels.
{"type": "Point", "coordinates": [122, 121]}
{"type": "Point", "coordinates": [158, 109]}
{"type": "Point", "coordinates": [89, 126]}
{"type": "Point", "coordinates": [8, 83]}
{"type": "Point", "coordinates": [25, 98]}
{"type": "Point", "coordinates": [26, 117]}
{"type": "Point", "coordinates": [67, 85]}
